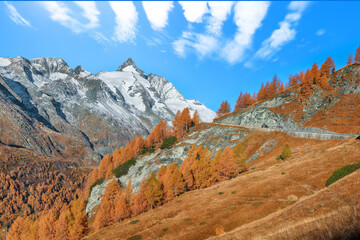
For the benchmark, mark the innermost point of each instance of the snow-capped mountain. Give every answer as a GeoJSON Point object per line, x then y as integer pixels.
{"type": "Point", "coordinates": [95, 113]}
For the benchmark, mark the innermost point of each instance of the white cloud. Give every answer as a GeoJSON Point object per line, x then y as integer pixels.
{"type": "Point", "coordinates": [219, 11]}
{"type": "Point", "coordinates": [248, 18]}
{"type": "Point", "coordinates": [298, 6]}
{"type": "Point", "coordinates": [194, 10]}
{"type": "Point", "coordinates": [320, 32]}
{"type": "Point", "coordinates": [61, 13]}
{"type": "Point", "coordinates": [285, 33]}
{"type": "Point", "coordinates": [90, 12]}
{"type": "Point", "coordinates": [203, 45]}
{"type": "Point", "coordinates": [100, 38]}
{"type": "Point", "coordinates": [15, 15]}
{"type": "Point", "coordinates": [126, 20]}
{"type": "Point", "coordinates": [157, 13]}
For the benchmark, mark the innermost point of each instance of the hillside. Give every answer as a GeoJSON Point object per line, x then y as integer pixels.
{"type": "Point", "coordinates": [335, 109]}
{"type": "Point", "coordinates": [51, 108]}
{"type": "Point", "coordinates": [293, 189]}
{"type": "Point", "coordinates": [264, 129]}
{"type": "Point", "coordinates": [268, 160]}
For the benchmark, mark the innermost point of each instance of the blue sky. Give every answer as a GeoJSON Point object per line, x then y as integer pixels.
{"type": "Point", "coordinates": [209, 51]}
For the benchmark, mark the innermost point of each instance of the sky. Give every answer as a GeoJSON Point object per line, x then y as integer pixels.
{"type": "Point", "coordinates": [210, 51]}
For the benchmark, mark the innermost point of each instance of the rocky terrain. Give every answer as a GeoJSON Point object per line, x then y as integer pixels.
{"type": "Point", "coordinates": [51, 108]}
{"type": "Point", "coordinates": [212, 136]}
{"type": "Point", "coordinates": [326, 111]}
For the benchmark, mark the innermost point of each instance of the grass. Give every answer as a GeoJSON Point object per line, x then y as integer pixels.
{"type": "Point", "coordinates": [165, 229]}
{"type": "Point", "coordinates": [343, 223]}
{"type": "Point", "coordinates": [202, 223]}
{"type": "Point", "coordinates": [187, 219]}
{"type": "Point", "coordinates": [257, 203]}
{"type": "Point", "coordinates": [342, 172]}
{"type": "Point", "coordinates": [134, 222]}
{"type": "Point", "coordinates": [221, 193]}
{"type": "Point", "coordinates": [168, 142]}
{"type": "Point", "coordinates": [233, 192]}
{"type": "Point", "coordinates": [283, 173]}
{"type": "Point", "coordinates": [135, 237]}
{"type": "Point", "coordinates": [123, 169]}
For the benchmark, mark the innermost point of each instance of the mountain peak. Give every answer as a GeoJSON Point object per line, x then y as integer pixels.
{"type": "Point", "coordinates": [130, 66]}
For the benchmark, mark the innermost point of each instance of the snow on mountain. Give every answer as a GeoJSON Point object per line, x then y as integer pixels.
{"type": "Point", "coordinates": [100, 111]}
{"type": "Point", "coordinates": [151, 94]}
{"type": "Point", "coordinates": [4, 62]}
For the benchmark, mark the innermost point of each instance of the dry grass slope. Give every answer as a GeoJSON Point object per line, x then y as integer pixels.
{"type": "Point", "coordinates": [274, 199]}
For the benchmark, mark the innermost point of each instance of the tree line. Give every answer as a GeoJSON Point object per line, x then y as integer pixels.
{"type": "Point", "coordinates": [306, 80]}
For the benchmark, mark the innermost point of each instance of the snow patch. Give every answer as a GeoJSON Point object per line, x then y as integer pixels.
{"type": "Point", "coordinates": [4, 62]}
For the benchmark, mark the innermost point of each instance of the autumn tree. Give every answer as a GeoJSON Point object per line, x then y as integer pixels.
{"type": "Point", "coordinates": [160, 132]}
{"type": "Point", "coordinates": [173, 182]}
{"type": "Point", "coordinates": [202, 170]}
{"type": "Point", "coordinates": [306, 84]}
{"type": "Point", "coordinates": [240, 156]}
{"type": "Point", "coordinates": [47, 225]}
{"type": "Point", "coordinates": [16, 229]}
{"type": "Point", "coordinates": [195, 119]}
{"type": "Point", "coordinates": [350, 59]}
{"type": "Point", "coordinates": [357, 55]}
{"type": "Point", "coordinates": [195, 153]}
{"type": "Point", "coordinates": [273, 86]}
{"type": "Point", "coordinates": [62, 225]}
{"type": "Point", "coordinates": [286, 152]}
{"type": "Point", "coordinates": [154, 192]}
{"type": "Point", "coordinates": [224, 108]}
{"type": "Point", "coordinates": [326, 69]}
{"type": "Point", "coordinates": [139, 202]}
{"type": "Point", "coordinates": [77, 218]}
{"type": "Point", "coordinates": [226, 167]}
{"type": "Point", "coordinates": [122, 207]}
{"type": "Point", "coordinates": [315, 73]}
{"type": "Point", "coordinates": [106, 212]}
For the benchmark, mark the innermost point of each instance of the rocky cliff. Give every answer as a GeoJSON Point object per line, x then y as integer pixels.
{"type": "Point", "coordinates": [49, 107]}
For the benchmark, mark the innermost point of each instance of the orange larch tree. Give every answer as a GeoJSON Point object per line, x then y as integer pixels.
{"type": "Point", "coordinates": [138, 202]}
{"type": "Point", "coordinates": [173, 182]}
{"type": "Point", "coordinates": [154, 192]}
{"type": "Point", "coordinates": [239, 102]}
{"type": "Point", "coordinates": [224, 108]}
{"type": "Point", "coordinates": [357, 55]}
{"type": "Point", "coordinates": [350, 59]}
{"type": "Point", "coordinates": [227, 166]}
{"type": "Point", "coordinates": [307, 84]}
{"type": "Point", "coordinates": [315, 73]}
{"type": "Point", "coordinates": [195, 119]}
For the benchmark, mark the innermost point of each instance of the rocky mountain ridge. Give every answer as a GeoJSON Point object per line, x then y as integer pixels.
{"type": "Point", "coordinates": [334, 110]}
{"type": "Point", "coordinates": [49, 107]}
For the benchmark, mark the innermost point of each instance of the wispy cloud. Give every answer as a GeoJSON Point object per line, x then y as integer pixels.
{"type": "Point", "coordinates": [15, 15]}
{"type": "Point", "coordinates": [61, 13]}
{"type": "Point", "coordinates": [194, 10]}
{"type": "Point", "coordinates": [219, 10]}
{"type": "Point", "coordinates": [285, 33]}
{"type": "Point", "coordinates": [157, 13]}
{"type": "Point", "coordinates": [248, 18]}
{"type": "Point", "coordinates": [126, 20]}
{"type": "Point", "coordinates": [320, 32]}
{"type": "Point", "coordinates": [203, 45]}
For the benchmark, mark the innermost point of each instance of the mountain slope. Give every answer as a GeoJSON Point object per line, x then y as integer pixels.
{"type": "Point", "coordinates": [43, 98]}
{"type": "Point", "coordinates": [254, 200]}
{"type": "Point", "coordinates": [335, 109]}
